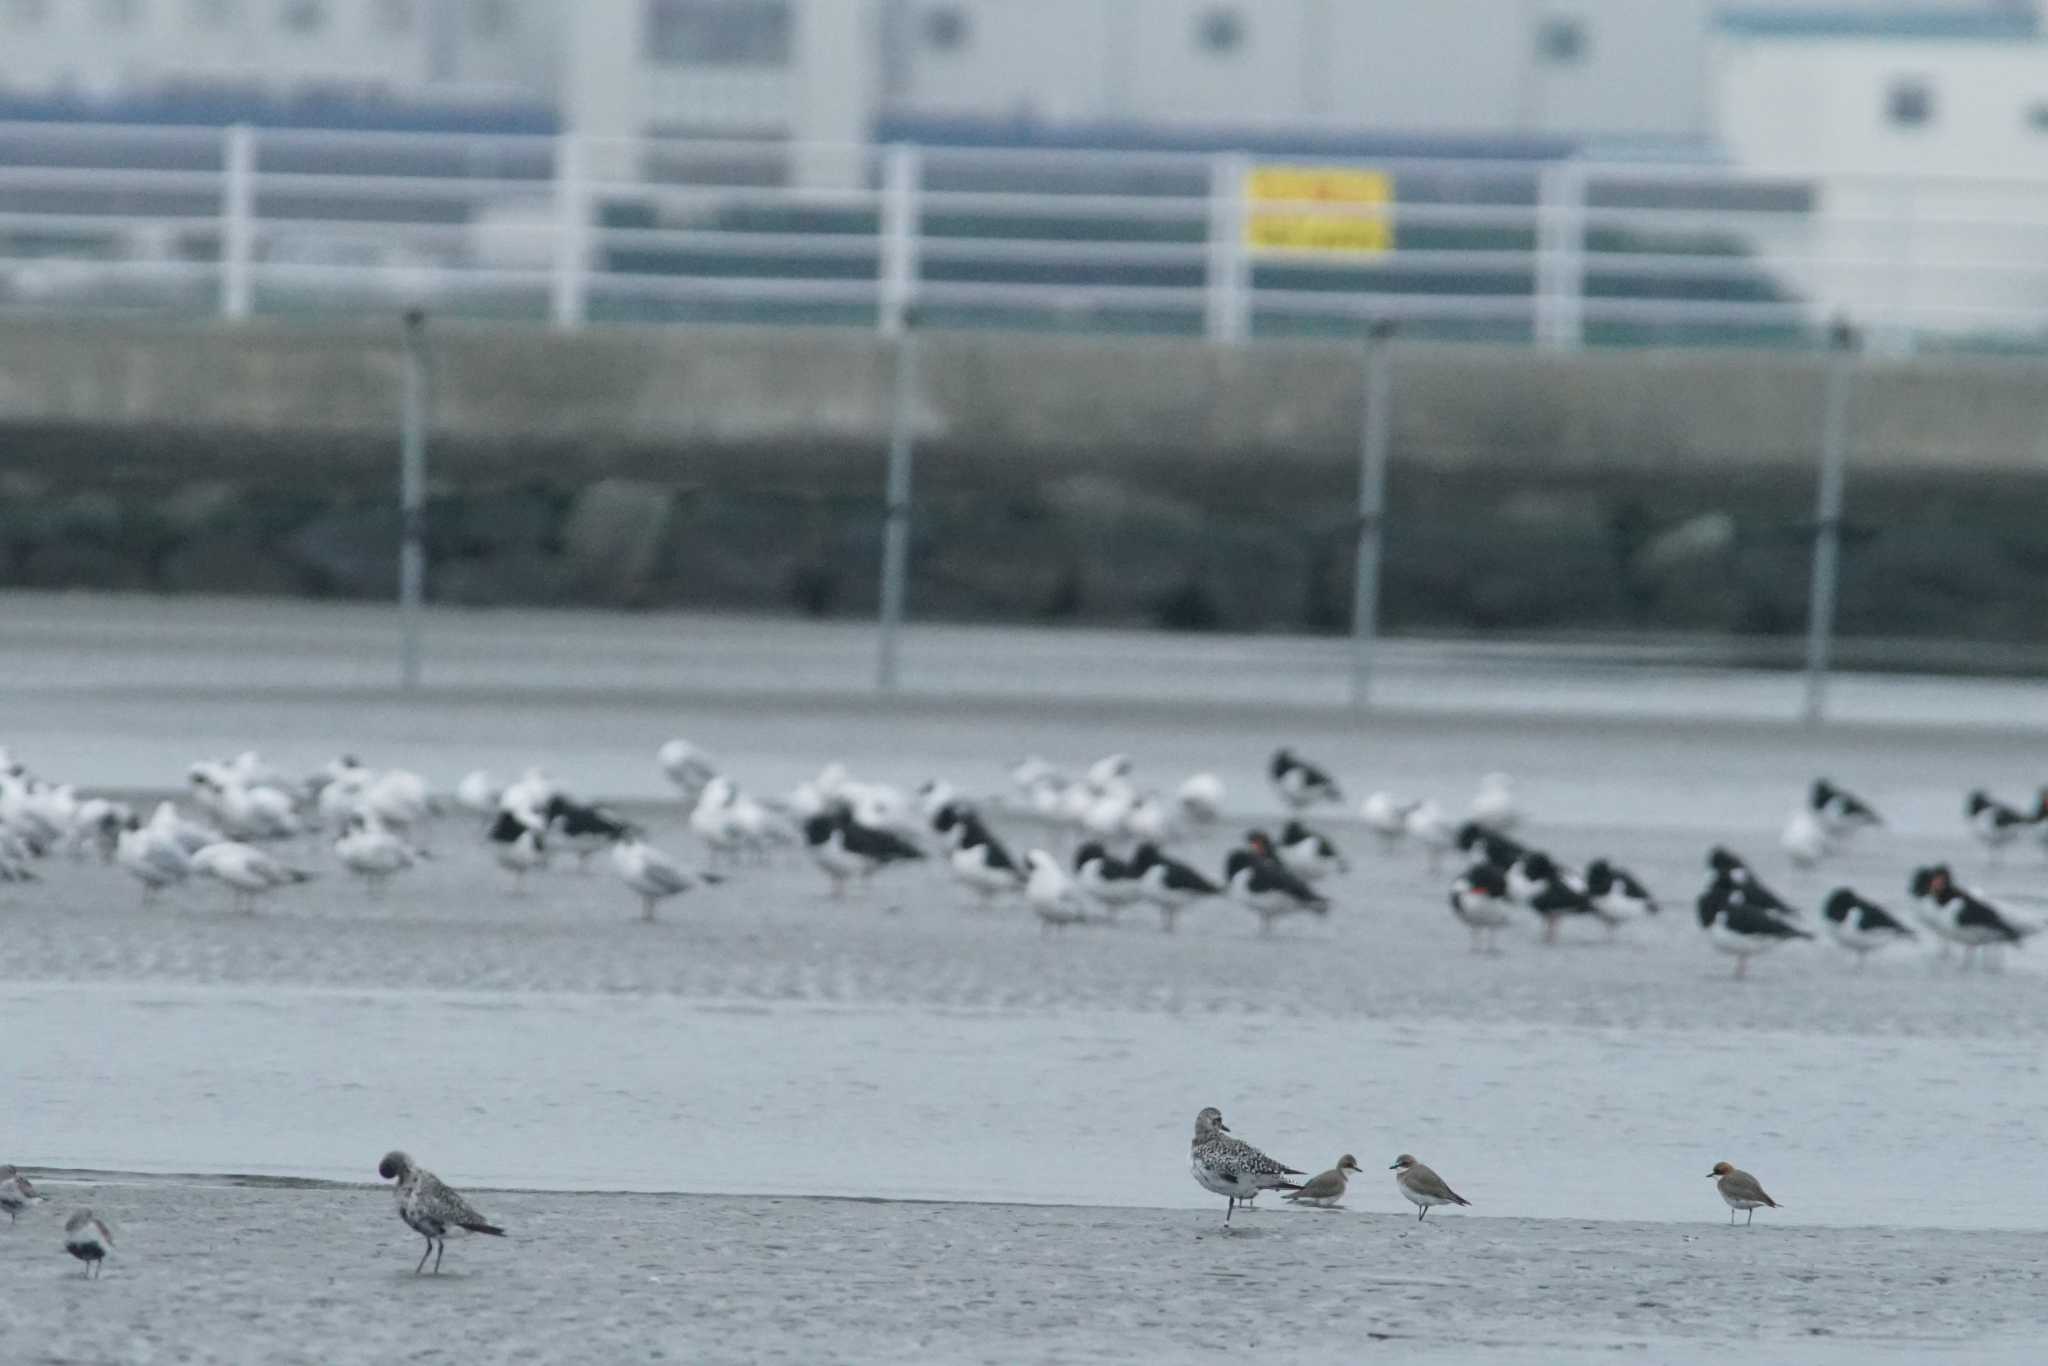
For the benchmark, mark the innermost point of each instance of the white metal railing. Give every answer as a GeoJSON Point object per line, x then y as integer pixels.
{"type": "Point", "coordinates": [246, 222]}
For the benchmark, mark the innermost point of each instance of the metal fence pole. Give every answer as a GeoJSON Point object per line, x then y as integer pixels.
{"type": "Point", "coordinates": [899, 224]}
{"type": "Point", "coordinates": [412, 498]}
{"type": "Point", "coordinates": [1375, 427]}
{"type": "Point", "coordinates": [1227, 302]}
{"type": "Point", "coordinates": [567, 289]}
{"type": "Point", "coordinates": [896, 500]}
{"type": "Point", "coordinates": [237, 220]}
{"type": "Point", "coordinates": [1827, 520]}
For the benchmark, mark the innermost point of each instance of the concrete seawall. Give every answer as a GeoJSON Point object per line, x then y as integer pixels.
{"type": "Point", "coordinates": [1082, 478]}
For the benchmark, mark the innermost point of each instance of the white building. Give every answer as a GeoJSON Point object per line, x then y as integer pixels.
{"type": "Point", "coordinates": [1924, 138]}
{"type": "Point", "coordinates": [397, 49]}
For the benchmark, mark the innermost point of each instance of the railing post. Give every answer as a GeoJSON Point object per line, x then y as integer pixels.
{"type": "Point", "coordinates": [1227, 310]}
{"type": "Point", "coordinates": [1827, 519]}
{"type": "Point", "coordinates": [1375, 428]}
{"type": "Point", "coordinates": [899, 223]}
{"type": "Point", "coordinates": [412, 498]}
{"type": "Point", "coordinates": [237, 220]}
{"type": "Point", "coordinates": [1561, 255]}
{"type": "Point", "coordinates": [568, 290]}
{"type": "Point", "coordinates": [896, 498]}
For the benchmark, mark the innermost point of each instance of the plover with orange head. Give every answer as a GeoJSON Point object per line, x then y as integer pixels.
{"type": "Point", "coordinates": [429, 1208]}
{"type": "Point", "coordinates": [87, 1238]}
{"type": "Point", "coordinates": [1229, 1166]}
{"type": "Point", "coordinates": [1422, 1187]}
{"type": "Point", "coordinates": [1326, 1190]}
{"type": "Point", "coordinates": [1740, 1190]}
{"type": "Point", "coordinates": [16, 1194]}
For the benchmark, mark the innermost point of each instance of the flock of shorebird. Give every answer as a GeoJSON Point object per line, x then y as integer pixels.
{"type": "Point", "coordinates": [1114, 845]}
{"type": "Point", "coordinates": [1224, 1164]}
{"type": "Point", "coordinates": [242, 813]}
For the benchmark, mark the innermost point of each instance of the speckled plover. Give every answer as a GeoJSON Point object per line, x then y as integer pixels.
{"type": "Point", "coordinates": [87, 1238]}
{"type": "Point", "coordinates": [1326, 1190]}
{"type": "Point", "coordinates": [1298, 783]}
{"type": "Point", "coordinates": [1740, 1190]}
{"type": "Point", "coordinates": [16, 1194]}
{"type": "Point", "coordinates": [1422, 1187]}
{"type": "Point", "coordinates": [1230, 1167]}
{"type": "Point", "coordinates": [429, 1208]}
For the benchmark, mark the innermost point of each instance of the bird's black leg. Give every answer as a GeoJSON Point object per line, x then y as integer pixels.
{"type": "Point", "coordinates": [1752, 1218]}
{"type": "Point", "coordinates": [423, 1258]}
{"type": "Point", "coordinates": [1424, 1215]}
{"type": "Point", "coordinates": [443, 1247]}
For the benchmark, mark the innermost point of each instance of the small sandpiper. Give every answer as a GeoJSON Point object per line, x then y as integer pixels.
{"type": "Point", "coordinates": [87, 1238]}
{"type": "Point", "coordinates": [1740, 1190]}
{"type": "Point", "coordinates": [1423, 1187]}
{"type": "Point", "coordinates": [1326, 1190]}
{"type": "Point", "coordinates": [429, 1208]}
{"type": "Point", "coordinates": [16, 1194]}
{"type": "Point", "coordinates": [1231, 1167]}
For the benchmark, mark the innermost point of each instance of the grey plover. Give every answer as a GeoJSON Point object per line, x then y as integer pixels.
{"type": "Point", "coordinates": [430, 1208]}
{"type": "Point", "coordinates": [1740, 1190]}
{"type": "Point", "coordinates": [87, 1238]}
{"type": "Point", "coordinates": [16, 1194]}
{"type": "Point", "coordinates": [1230, 1167]}
{"type": "Point", "coordinates": [1422, 1187]}
{"type": "Point", "coordinates": [1326, 1190]}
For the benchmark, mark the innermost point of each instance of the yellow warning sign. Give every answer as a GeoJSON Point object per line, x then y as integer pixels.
{"type": "Point", "coordinates": [1319, 208]}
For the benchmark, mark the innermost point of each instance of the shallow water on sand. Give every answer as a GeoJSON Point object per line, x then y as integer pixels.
{"type": "Point", "coordinates": [559, 1091]}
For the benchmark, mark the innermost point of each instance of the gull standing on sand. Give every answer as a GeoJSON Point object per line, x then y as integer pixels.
{"type": "Point", "coordinates": [1326, 1190]}
{"type": "Point", "coordinates": [152, 857]}
{"type": "Point", "coordinates": [1422, 1187]}
{"type": "Point", "coordinates": [245, 870]}
{"type": "Point", "coordinates": [1230, 1166]}
{"type": "Point", "coordinates": [16, 1194]}
{"type": "Point", "coordinates": [430, 1208]}
{"type": "Point", "coordinates": [369, 849]}
{"type": "Point", "coordinates": [1740, 1190]}
{"type": "Point", "coordinates": [87, 1238]}
{"type": "Point", "coordinates": [1052, 893]}
{"type": "Point", "coordinates": [651, 873]}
